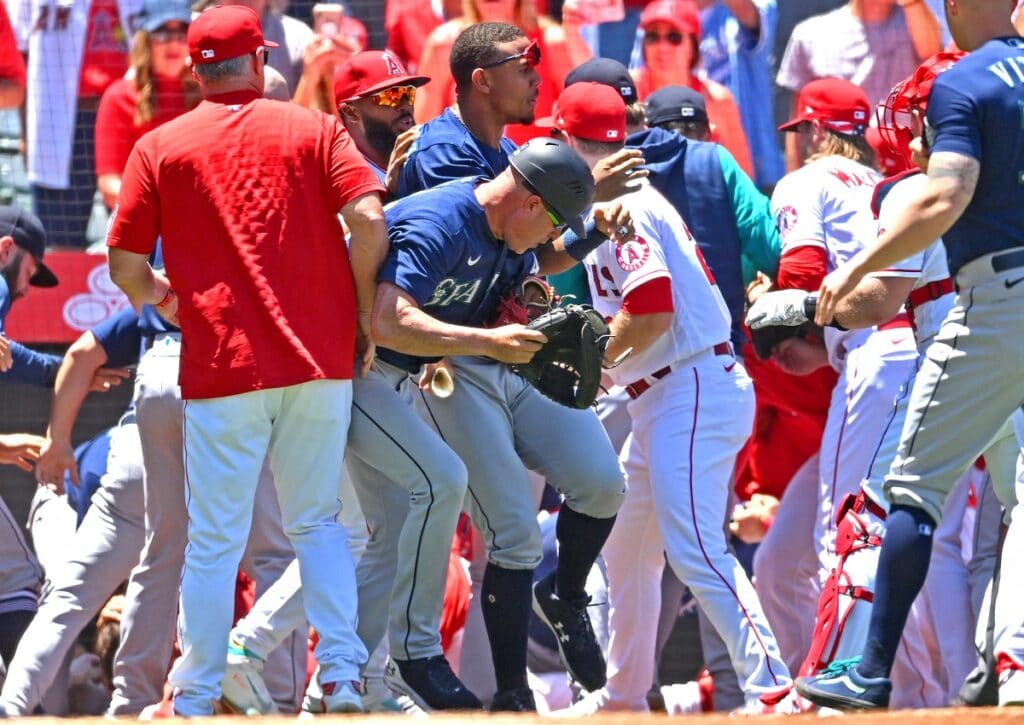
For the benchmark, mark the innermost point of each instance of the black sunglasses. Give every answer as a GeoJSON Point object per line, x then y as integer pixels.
{"type": "Point", "coordinates": [673, 38]}
{"type": "Point", "coordinates": [531, 53]}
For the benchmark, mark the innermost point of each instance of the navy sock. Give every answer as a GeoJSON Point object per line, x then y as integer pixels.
{"type": "Point", "coordinates": [505, 598]}
{"type": "Point", "coordinates": [580, 539]}
{"type": "Point", "coordinates": [902, 566]}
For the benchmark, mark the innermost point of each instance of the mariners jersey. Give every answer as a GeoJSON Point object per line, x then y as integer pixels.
{"type": "Point", "coordinates": [662, 247]}
{"type": "Point", "coordinates": [827, 204]}
{"type": "Point", "coordinates": [926, 266]}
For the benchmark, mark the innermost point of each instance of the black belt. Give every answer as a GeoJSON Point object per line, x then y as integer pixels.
{"type": "Point", "coordinates": [1008, 260]}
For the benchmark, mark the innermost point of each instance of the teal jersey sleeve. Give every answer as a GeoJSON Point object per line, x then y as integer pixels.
{"type": "Point", "coordinates": [759, 238]}
{"type": "Point", "coordinates": [571, 285]}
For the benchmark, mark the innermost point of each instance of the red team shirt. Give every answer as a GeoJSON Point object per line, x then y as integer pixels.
{"type": "Point", "coordinates": [245, 193]}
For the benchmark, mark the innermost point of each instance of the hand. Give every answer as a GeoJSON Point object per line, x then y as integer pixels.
{"type": "Point", "coordinates": [20, 449]}
{"type": "Point", "coordinates": [783, 307]}
{"type": "Point", "coordinates": [5, 355]}
{"type": "Point", "coordinates": [762, 283]}
{"type": "Point", "coordinates": [55, 458]}
{"type": "Point", "coordinates": [365, 346]}
{"type": "Point", "coordinates": [750, 521]}
{"type": "Point", "coordinates": [919, 155]}
{"type": "Point", "coordinates": [618, 174]}
{"type": "Point", "coordinates": [836, 285]}
{"type": "Point", "coordinates": [106, 378]}
{"type": "Point", "coordinates": [323, 53]}
{"type": "Point", "coordinates": [515, 343]}
{"type": "Point", "coordinates": [111, 611]}
{"type": "Point", "coordinates": [399, 155]}
{"type": "Point", "coordinates": [614, 221]}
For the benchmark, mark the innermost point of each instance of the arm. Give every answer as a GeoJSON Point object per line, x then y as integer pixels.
{"type": "Point", "coordinates": [29, 366]}
{"type": "Point", "coordinates": [759, 237]}
{"type": "Point", "coordinates": [400, 324]}
{"type": "Point", "coordinates": [368, 247]}
{"type": "Point", "coordinates": [83, 359]}
{"type": "Point", "coordinates": [923, 28]}
{"type": "Point", "coordinates": [746, 12]}
{"type": "Point", "coordinates": [144, 286]}
{"type": "Point", "coordinates": [109, 186]}
{"type": "Point", "coordinates": [611, 221]}
{"type": "Point", "coordinates": [874, 301]}
{"type": "Point", "coordinates": [322, 55]}
{"type": "Point", "coordinates": [952, 178]}
{"type": "Point", "coordinates": [635, 331]}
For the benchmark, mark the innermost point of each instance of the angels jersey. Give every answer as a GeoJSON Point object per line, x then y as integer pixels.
{"type": "Point", "coordinates": [662, 247]}
{"type": "Point", "coordinates": [827, 204]}
{"type": "Point", "coordinates": [926, 266]}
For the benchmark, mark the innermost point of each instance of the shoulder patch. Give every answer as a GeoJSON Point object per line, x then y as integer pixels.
{"type": "Point", "coordinates": [785, 219]}
{"type": "Point", "coordinates": [633, 254]}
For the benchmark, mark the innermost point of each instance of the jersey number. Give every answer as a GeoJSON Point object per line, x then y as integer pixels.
{"type": "Point", "coordinates": [606, 273]}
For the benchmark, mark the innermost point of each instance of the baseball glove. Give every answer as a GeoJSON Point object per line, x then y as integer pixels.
{"type": "Point", "coordinates": [567, 368]}
{"type": "Point", "coordinates": [524, 302]}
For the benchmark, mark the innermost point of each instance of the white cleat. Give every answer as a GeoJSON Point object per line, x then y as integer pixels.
{"type": "Point", "coordinates": [597, 702]}
{"type": "Point", "coordinates": [243, 690]}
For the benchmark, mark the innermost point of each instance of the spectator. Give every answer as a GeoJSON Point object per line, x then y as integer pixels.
{"type": "Point", "coordinates": [669, 55]}
{"type": "Point", "coordinates": [735, 50]}
{"type": "Point", "coordinates": [851, 41]}
{"type": "Point", "coordinates": [75, 50]}
{"type": "Point", "coordinates": [12, 65]}
{"type": "Point", "coordinates": [409, 22]}
{"type": "Point", "coordinates": [560, 50]}
{"type": "Point", "coordinates": [158, 88]}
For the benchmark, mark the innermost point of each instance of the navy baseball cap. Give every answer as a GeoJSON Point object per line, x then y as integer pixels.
{"type": "Point", "coordinates": [156, 13]}
{"type": "Point", "coordinates": [605, 71]}
{"type": "Point", "coordinates": [27, 232]}
{"type": "Point", "coordinates": [675, 103]}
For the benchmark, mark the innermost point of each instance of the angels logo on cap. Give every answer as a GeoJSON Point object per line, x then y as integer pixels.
{"type": "Point", "coordinates": [391, 63]}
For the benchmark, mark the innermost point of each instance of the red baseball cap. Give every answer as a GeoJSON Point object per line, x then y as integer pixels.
{"type": "Point", "coordinates": [592, 111]}
{"type": "Point", "coordinates": [370, 72]}
{"type": "Point", "coordinates": [837, 104]}
{"type": "Point", "coordinates": [683, 15]}
{"type": "Point", "coordinates": [225, 31]}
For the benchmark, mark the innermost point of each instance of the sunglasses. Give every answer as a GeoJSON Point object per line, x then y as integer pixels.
{"type": "Point", "coordinates": [673, 38]}
{"type": "Point", "coordinates": [395, 96]}
{"type": "Point", "coordinates": [531, 54]}
{"type": "Point", "coordinates": [166, 35]}
{"type": "Point", "coordinates": [263, 54]}
{"type": "Point", "coordinates": [557, 223]}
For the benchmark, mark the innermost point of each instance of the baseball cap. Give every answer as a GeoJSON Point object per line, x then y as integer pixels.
{"type": "Point", "coordinates": [675, 103]}
{"type": "Point", "coordinates": [28, 233]}
{"type": "Point", "coordinates": [683, 15]}
{"type": "Point", "coordinates": [608, 71]}
{"type": "Point", "coordinates": [369, 72]}
{"type": "Point", "coordinates": [225, 31]}
{"type": "Point", "coordinates": [592, 111]}
{"type": "Point", "coordinates": [837, 104]}
{"type": "Point", "coordinates": [156, 13]}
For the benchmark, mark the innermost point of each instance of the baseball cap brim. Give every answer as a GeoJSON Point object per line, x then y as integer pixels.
{"type": "Point", "coordinates": [44, 276]}
{"type": "Point", "coordinates": [391, 82]}
{"type": "Point", "coordinates": [793, 124]}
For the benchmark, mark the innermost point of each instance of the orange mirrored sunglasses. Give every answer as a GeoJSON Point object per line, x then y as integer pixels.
{"type": "Point", "coordinates": [395, 96]}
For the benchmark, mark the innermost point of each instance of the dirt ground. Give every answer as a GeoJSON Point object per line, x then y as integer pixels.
{"type": "Point", "coordinates": [948, 716]}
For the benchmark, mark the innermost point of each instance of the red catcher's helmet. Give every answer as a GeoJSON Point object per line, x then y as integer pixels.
{"type": "Point", "coordinates": [909, 99]}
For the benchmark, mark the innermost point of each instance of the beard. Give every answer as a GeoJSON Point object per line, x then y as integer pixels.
{"type": "Point", "coordinates": [380, 135]}
{"type": "Point", "coordinates": [9, 272]}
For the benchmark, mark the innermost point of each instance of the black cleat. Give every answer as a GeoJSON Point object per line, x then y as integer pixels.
{"type": "Point", "coordinates": [517, 700]}
{"type": "Point", "coordinates": [430, 683]}
{"type": "Point", "coordinates": [570, 623]}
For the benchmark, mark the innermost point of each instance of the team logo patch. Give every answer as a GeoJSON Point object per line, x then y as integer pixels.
{"type": "Point", "coordinates": [632, 255]}
{"type": "Point", "coordinates": [394, 68]}
{"type": "Point", "coordinates": [785, 219]}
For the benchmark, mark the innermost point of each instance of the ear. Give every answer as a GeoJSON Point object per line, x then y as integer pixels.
{"type": "Point", "coordinates": [348, 114]}
{"type": "Point", "coordinates": [7, 247]}
{"type": "Point", "coordinates": [480, 80]}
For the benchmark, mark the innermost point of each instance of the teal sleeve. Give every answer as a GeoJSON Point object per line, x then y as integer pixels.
{"type": "Point", "coordinates": [759, 239]}
{"type": "Point", "coordinates": [571, 284]}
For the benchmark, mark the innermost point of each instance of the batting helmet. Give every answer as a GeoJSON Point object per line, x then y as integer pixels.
{"type": "Point", "coordinates": [907, 103]}
{"type": "Point", "coordinates": [559, 176]}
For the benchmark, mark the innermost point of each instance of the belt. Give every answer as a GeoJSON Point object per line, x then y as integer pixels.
{"type": "Point", "coordinates": [900, 320]}
{"type": "Point", "coordinates": [1008, 260]}
{"type": "Point", "coordinates": [638, 387]}
{"type": "Point", "coordinates": [931, 291]}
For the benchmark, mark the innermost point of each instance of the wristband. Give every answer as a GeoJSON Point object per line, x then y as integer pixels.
{"type": "Point", "coordinates": [811, 307]}
{"type": "Point", "coordinates": [166, 299]}
{"type": "Point", "coordinates": [579, 247]}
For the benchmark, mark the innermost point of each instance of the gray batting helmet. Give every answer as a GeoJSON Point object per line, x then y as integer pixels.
{"type": "Point", "coordinates": [559, 176]}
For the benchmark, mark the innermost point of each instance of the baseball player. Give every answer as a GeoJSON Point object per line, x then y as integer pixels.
{"type": "Point", "coordinates": [923, 281]}
{"type": "Point", "coordinates": [262, 373]}
{"type": "Point", "coordinates": [958, 403]}
{"type": "Point", "coordinates": [454, 251]}
{"type": "Point", "coordinates": [688, 392]}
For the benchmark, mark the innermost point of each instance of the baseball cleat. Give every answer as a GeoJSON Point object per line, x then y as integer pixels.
{"type": "Point", "coordinates": [341, 697]}
{"type": "Point", "coordinates": [430, 683]}
{"type": "Point", "coordinates": [840, 686]}
{"type": "Point", "coordinates": [243, 690]}
{"type": "Point", "coordinates": [517, 700]}
{"type": "Point", "coordinates": [570, 623]}
{"type": "Point", "coordinates": [1011, 687]}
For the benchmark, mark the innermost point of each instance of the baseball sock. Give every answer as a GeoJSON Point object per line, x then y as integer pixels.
{"type": "Point", "coordinates": [506, 596]}
{"type": "Point", "coordinates": [902, 566]}
{"type": "Point", "coordinates": [580, 538]}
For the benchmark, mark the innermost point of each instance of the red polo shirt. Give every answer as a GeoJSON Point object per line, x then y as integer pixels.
{"type": "Point", "coordinates": [245, 193]}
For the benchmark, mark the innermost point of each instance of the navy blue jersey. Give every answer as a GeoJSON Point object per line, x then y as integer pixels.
{"type": "Point", "coordinates": [120, 338]}
{"type": "Point", "coordinates": [445, 257]}
{"type": "Point", "coordinates": [29, 366]}
{"type": "Point", "coordinates": [976, 109]}
{"type": "Point", "coordinates": [446, 150]}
